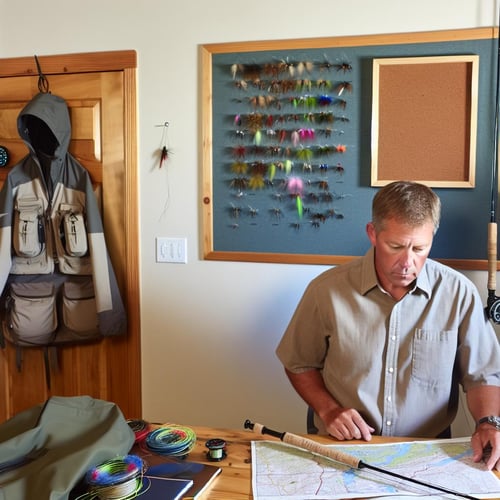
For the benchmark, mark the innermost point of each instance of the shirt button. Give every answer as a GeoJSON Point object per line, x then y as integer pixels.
{"type": "Point", "coordinates": [389, 398]}
{"type": "Point", "coordinates": [388, 423]}
{"type": "Point", "coordinates": [391, 369]}
{"type": "Point", "coordinates": [393, 337]}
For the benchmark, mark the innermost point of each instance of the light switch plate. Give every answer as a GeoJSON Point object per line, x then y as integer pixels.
{"type": "Point", "coordinates": [171, 250]}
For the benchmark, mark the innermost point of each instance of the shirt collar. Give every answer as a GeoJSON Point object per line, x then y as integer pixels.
{"type": "Point", "coordinates": [423, 282]}
{"type": "Point", "coordinates": [369, 276]}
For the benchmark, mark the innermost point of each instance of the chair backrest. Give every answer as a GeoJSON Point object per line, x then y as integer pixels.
{"type": "Point", "coordinates": [311, 427]}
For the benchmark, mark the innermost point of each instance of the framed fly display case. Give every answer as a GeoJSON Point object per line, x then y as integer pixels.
{"type": "Point", "coordinates": [298, 135]}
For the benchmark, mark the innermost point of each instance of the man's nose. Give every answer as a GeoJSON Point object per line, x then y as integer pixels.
{"type": "Point", "coordinates": [406, 259]}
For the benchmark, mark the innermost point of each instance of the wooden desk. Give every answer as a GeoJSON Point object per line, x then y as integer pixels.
{"type": "Point", "coordinates": [235, 481]}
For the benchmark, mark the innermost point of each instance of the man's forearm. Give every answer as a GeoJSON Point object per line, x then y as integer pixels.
{"type": "Point", "coordinates": [483, 400]}
{"type": "Point", "coordinates": [311, 388]}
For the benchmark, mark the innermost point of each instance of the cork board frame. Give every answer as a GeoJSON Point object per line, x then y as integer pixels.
{"type": "Point", "coordinates": [412, 98]}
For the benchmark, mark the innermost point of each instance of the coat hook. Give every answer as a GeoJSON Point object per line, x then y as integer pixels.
{"type": "Point", "coordinates": [166, 124]}
{"type": "Point", "coordinates": [43, 83]}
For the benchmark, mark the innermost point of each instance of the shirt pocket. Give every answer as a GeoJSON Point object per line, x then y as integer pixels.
{"type": "Point", "coordinates": [433, 357]}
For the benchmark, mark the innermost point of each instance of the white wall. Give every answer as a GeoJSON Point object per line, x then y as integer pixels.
{"type": "Point", "coordinates": [209, 329]}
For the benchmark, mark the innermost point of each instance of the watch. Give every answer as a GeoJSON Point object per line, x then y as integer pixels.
{"type": "Point", "coordinates": [4, 156]}
{"type": "Point", "coordinates": [492, 420]}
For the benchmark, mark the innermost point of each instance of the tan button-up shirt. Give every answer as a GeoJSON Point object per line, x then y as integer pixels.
{"type": "Point", "coordinates": [399, 363]}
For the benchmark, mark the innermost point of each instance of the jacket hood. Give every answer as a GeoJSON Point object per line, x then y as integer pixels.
{"type": "Point", "coordinates": [44, 125]}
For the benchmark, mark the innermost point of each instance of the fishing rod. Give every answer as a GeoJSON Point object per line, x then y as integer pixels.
{"type": "Point", "coordinates": [341, 457]}
{"type": "Point", "coordinates": [493, 302]}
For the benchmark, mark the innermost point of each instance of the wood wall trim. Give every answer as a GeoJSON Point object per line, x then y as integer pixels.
{"type": "Point", "coordinates": [354, 41]}
{"type": "Point", "coordinates": [133, 296]}
{"type": "Point", "coordinates": [69, 63]}
{"type": "Point", "coordinates": [328, 260]}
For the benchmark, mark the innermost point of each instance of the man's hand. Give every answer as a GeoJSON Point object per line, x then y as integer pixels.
{"type": "Point", "coordinates": [347, 423]}
{"type": "Point", "coordinates": [341, 423]}
{"type": "Point", "coordinates": [485, 443]}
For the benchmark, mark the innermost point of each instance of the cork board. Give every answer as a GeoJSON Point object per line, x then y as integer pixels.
{"type": "Point", "coordinates": [424, 120]}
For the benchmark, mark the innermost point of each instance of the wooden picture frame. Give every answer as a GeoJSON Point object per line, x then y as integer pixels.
{"type": "Point", "coordinates": [413, 97]}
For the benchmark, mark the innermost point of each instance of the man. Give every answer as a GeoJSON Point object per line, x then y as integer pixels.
{"type": "Point", "coordinates": [381, 344]}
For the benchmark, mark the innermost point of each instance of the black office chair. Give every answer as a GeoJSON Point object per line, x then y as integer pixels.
{"type": "Point", "coordinates": [311, 427]}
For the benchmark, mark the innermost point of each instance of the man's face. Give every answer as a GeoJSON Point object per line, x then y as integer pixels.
{"type": "Point", "coordinates": [400, 253]}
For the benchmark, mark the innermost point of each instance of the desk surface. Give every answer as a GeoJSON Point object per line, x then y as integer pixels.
{"type": "Point", "coordinates": [235, 481]}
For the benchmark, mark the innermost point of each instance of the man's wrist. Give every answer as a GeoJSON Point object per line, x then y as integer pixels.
{"type": "Point", "coordinates": [491, 420]}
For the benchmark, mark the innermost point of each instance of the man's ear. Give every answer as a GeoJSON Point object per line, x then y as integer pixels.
{"type": "Point", "coordinates": [370, 231]}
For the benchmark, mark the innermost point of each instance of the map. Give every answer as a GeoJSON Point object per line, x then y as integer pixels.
{"type": "Point", "coordinates": [281, 471]}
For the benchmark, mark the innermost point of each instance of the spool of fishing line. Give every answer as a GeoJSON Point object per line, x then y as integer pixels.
{"type": "Point", "coordinates": [140, 429]}
{"type": "Point", "coordinates": [119, 478]}
{"type": "Point", "coordinates": [175, 441]}
{"type": "Point", "coordinates": [216, 449]}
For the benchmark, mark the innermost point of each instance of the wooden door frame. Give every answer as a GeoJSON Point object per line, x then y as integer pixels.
{"type": "Point", "coordinates": [126, 62]}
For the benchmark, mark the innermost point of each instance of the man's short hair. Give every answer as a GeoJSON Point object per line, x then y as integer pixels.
{"type": "Point", "coordinates": [407, 202]}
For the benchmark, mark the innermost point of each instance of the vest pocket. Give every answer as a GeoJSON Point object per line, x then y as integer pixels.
{"type": "Point", "coordinates": [75, 234]}
{"type": "Point", "coordinates": [71, 243]}
{"type": "Point", "coordinates": [29, 234]}
{"type": "Point", "coordinates": [32, 312]}
{"type": "Point", "coordinates": [79, 311]}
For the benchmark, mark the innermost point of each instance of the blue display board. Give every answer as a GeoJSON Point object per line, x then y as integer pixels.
{"type": "Point", "coordinates": [287, 170]}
